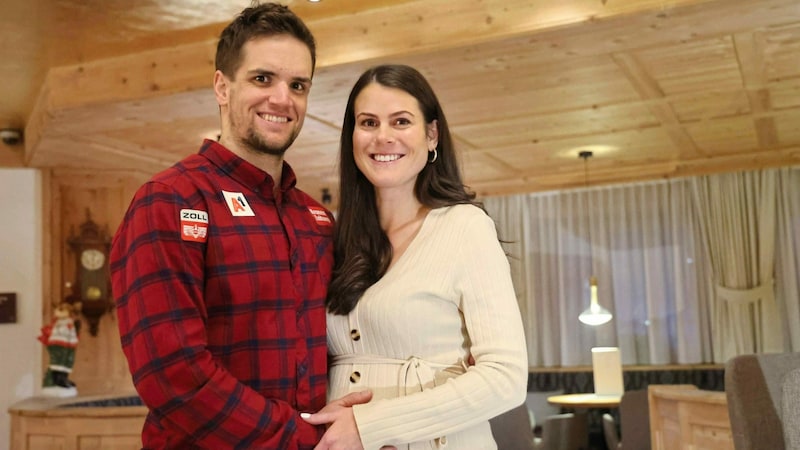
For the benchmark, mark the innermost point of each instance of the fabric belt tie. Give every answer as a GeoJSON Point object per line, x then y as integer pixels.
{"type": "Point", "coordinates": [414, 372]}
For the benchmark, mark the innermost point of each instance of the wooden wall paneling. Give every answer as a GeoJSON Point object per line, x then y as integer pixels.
{"type": "Point", "coordinates": [100, 366]}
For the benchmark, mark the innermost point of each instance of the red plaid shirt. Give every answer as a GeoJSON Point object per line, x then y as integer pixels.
{"type": "Point", "coordinates": [220, 290]}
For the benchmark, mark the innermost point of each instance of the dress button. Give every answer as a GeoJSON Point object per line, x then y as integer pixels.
{"type": "Point", "coordinates": [355, 335]}
{"type": "Point", "coordinates": [354, 377]}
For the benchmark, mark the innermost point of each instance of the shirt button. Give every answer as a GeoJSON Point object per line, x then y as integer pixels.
{"type": "Point", "coordinates": [355, 335]}
{"type": "Point", "coordinates": [355, 376]}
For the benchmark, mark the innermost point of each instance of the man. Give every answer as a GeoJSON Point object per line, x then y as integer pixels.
{"type": "Point", "coordinates": [220, 267]}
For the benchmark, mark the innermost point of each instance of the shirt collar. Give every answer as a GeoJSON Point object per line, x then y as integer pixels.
{"type": "Point", "coordinates": [244, 172]}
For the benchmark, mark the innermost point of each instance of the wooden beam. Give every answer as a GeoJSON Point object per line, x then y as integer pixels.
{"type": "Point", "coordinates": [651, 92]}
{"type": "Point", "coordinates": [750, 55]}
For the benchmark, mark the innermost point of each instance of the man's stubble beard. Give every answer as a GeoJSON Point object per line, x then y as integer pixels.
{"type": "Point", "coordinates": [256, 144]}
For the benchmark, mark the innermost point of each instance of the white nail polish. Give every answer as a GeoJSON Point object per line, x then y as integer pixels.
{"type": "Point", "coordinates": [305, 415]}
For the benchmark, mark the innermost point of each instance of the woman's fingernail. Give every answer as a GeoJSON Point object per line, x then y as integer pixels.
{"type": "Point", "coordinates": [305, 415]}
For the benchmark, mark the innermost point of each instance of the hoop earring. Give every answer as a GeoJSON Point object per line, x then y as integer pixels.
{"type": "Point", "coordinates": [435, 155]}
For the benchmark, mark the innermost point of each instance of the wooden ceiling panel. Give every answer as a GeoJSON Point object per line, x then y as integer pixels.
{"type": "Point", "coordinates": [694, 66]}
{"type": "Point", "coordinates": [656, 89]}
{"type": "Point", "coordinates": [485, 166]}
{"type": "Point", "coordinates": [781, 49]}
{"type": "Point", "coordinates": [170, 138]}
{"type": "Point", "coordinates": [624, 147]}
{"type": "Point", "coordinates": [99, 154]}
{"type": "Point", "coordinates": [725, 136]}
{"type": "Point", "coordinates": [787, 125]}
{"type": "Point", "coordinates": [785, 94]}
{"type": "Point", "coordinates": [710, 104]}
{"type": "Point", "coordinates": [540, 128]}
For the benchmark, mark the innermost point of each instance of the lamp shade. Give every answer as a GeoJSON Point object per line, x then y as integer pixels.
{"type": "Point", "coordinates": [595, 314]}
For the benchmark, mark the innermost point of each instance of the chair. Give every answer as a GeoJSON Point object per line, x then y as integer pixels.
{"type": "Point", "coordinates": [540, 408]}
{"type": "Point", "coordinates": [564, 432]}
{"type": "Point", "coordinates": [791, 409]}
{"type": "Point", "coordinates": [512, 430]}
{"type": "Point", "coordinates": [753, 387]}
{"type": "Point", "coordinates": [634, 423]}
{"type": "Point", "coordinates": [610, 432]}
{"type": "Point", "coordinates": [634, 420]}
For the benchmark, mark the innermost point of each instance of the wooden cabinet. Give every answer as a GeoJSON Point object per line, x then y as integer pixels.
{"type": "Point", "coordinates": [682, 416]}
{"type": "Point", "coordinates": [44, 424]}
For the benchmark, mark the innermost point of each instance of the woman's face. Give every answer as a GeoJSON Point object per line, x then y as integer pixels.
{"type": "Point", "coordinates": [391, 139]}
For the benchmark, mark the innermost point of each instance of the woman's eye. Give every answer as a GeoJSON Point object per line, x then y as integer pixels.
{"type": "Point", "coordinates": [402, 121]}
{"type": "Point", "coordinates": [369, 123]}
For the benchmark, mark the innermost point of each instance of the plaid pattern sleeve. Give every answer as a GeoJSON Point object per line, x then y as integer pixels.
{"type": "Point", "coordinates": [221, 316]}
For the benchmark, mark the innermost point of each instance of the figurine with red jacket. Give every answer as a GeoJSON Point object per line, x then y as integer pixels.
{"type": "Point", "coordinates": [61, 339]}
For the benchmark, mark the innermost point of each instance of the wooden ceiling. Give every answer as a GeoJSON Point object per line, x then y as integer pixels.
{"type": "Point", "coordinates": [656, 89]}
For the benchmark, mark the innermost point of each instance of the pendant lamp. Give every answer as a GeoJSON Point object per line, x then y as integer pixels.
{"type": "Point", "coordinates": [595, 314]}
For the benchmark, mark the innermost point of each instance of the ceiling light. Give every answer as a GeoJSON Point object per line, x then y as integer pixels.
{"type": "Point", "coordinates": [595, 314]}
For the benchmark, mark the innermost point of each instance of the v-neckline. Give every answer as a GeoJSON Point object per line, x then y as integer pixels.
{"type": "Point", "coordinates": [403, 257]}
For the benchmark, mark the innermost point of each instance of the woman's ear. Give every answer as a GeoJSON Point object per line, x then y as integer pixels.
{"type": "Point", "coordinates": [433, 134]}
{"type": "Point", "coordinates": [221, 88]}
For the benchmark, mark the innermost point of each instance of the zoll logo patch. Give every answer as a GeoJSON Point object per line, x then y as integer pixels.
{"type": "Point", "coordinates": [194, 225]}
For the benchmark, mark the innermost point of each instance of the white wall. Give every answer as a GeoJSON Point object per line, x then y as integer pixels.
{"type": "Point", "coordinates": [20, 272]}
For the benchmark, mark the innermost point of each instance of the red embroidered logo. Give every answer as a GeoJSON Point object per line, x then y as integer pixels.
{"type": "Point", "coordinates": [320, 215]}
{"type": "Point", "coordinates": [194, 225]}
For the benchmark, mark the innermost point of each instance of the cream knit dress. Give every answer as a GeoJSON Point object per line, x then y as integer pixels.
{"type": "Point", "coordinates": [408, 340]}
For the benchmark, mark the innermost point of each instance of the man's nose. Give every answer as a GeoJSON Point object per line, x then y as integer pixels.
{"type": "Point", "coordinates": [279, 93]}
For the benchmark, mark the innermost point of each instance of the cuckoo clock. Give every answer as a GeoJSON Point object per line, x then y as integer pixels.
{"type": "Point", "coordinates": [92, 286]}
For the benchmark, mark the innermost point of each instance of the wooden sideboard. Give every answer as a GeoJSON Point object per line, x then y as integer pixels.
{"type": "Point", "coordinates": [42, 423]}
{"type": "Point", "coordinates": [682, 416]}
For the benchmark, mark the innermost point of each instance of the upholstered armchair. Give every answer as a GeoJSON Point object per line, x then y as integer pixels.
{"type": "Point", "coordinates": [762, 392]}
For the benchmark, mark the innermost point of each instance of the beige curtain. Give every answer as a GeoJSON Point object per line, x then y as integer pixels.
{"type": "Point", "coordinates": [638, 240]}
{"type": "Point", "coordinates": [737, 213]}
{"type": "Point", "coordinates": [651, 245]}
{"type": "Point", "coordinates": [787, 261]}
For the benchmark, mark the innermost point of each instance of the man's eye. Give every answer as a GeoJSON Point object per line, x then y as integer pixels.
{"type": "Point", "coordinates": [299, 87]}
{"type": "Point", "coordinates": [261, 78]}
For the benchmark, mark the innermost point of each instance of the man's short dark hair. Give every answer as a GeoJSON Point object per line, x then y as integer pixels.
{"type": "Point", "coordinates": [266, 19]}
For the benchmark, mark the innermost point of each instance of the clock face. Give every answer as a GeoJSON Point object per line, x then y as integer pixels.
{"type": "Point", "coordinates": [92, 259]}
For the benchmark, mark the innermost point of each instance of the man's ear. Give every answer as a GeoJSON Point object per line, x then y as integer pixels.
{"type": "Point", "coordinates": [221, 88]}
{"type": "Point", "coordinates": [433, 134]}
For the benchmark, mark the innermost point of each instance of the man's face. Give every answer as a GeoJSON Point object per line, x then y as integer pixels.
{"type": "Point", "coordinates": [263, 106]}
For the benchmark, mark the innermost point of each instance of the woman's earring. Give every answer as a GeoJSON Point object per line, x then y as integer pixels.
{"type": "Point", "coordinates": [435, 155]}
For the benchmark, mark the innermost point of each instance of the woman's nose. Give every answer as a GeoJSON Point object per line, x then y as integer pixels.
{"type": "Point", "coordinates": [385, 134]}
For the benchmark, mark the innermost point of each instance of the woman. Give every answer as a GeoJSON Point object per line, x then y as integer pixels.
{"type": "Point", "coordinates": [421, 285]}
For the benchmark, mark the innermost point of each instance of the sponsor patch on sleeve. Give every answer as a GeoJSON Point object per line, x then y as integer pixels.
{"type": "Point", "coordinates": [194, 225]}
{"type": "Point", "coordinates": [320, 216]}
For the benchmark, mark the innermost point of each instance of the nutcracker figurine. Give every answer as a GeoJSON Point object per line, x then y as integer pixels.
{"type": "Point", "coordinates": [61, 339]}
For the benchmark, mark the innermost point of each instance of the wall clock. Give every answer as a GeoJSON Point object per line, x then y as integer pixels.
{"type": "Point", "coordinates": [92, 286]}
